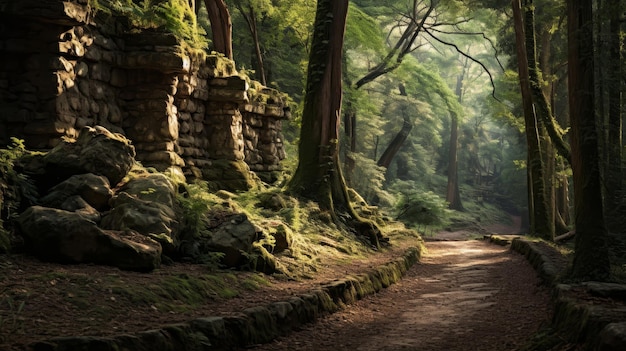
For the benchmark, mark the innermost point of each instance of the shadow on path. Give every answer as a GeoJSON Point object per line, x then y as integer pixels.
{"type": "Point", "coordinates": [464, 295]}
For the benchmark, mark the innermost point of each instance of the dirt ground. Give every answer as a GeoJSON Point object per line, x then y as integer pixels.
{"type": "Point", "coordinates": [40, 300]}
{"type": "Point", "coordinates": [464, 295]}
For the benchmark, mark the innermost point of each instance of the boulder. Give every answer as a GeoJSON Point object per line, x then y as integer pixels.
{"type": "Point", "coordinates": [78, 205]}
{"type": "Point", "coordinates": [234, 238]}
{"type": "Point", "coordinates": [154, 187]}
{"type": "Point", "coordinates": [67, 237]}
{"type": "Point", "coordinates": [93, 189]}
{"type": "Point", "coordinates": [146, 204]}
{"type": "Point", "coordinates": [96, 150]}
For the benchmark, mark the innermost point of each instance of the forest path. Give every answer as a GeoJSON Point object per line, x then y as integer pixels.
{"type": "Point", "coordinates": [463, 295]}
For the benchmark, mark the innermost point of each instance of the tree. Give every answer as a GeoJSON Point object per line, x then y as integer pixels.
{"type": "Point", "coordinates": [221, 26]}
{"type": "Point", "coordinates": [318, 175]}
{"type": "Point", "coordinates": [541, 223]}
{"type": "Point", "coordinates": [397, 142]}
{"type": "Point", "coordinates": [614, 193]}
{"type": "Point", "coordinates": [453, 195]}
{"type": "Point", "coordinates": [591, 259]}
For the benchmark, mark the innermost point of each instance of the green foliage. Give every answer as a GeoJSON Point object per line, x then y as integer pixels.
{"type": "Point", "coordinates": [368, 180]}
{"type": "Point", "coordinates": [195, 202]}
{"type": "Point", "coordinates": [420, 207]}
{"type": "Point", "coordinates": [363, 31]}
{"type": "Point", "coordinates": [14, 188]}
{"type": "Point", "coordinates": [283, 28]}
{"type": "Point", "coordinates": [174, 16]}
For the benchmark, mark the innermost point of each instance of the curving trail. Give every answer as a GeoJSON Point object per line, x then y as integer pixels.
{"type": "Point", "coordinates": [463, 295]}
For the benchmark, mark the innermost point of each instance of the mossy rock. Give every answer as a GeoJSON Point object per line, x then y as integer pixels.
{"type": "Point", "coordinates": [229, 175]}
{"type": "Point", "coordinates": [274, 201]}
{"type": "Point", "coordinates": [219, 65]}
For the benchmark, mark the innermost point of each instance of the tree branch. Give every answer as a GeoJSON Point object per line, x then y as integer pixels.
{"type": "Point", "coordinates": [493, 85]}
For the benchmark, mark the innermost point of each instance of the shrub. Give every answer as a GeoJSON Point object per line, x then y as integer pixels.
{"type": "Point", "coordinates": [418, 207]}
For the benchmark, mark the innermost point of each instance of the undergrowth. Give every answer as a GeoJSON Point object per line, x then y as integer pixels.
{"type": "Point", "coordinates": [174, 16]}
{"type": "Point", "coordinates": [14, 187]}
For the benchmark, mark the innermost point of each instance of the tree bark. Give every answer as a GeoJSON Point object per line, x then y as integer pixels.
{"type": "Point", "coordinates": [318, 175]}
{"type": "Point", "coordinates": [614, 184]}
{"type": "Point", "coordinates": [453, 195]}
{"type": "Point", "coordinates": [591, 259]}
{"type": "Point", "coordinates": [540, 222]}
{"type": "Point", "coordinates": [250, 18]}
{"type": "Point", "coordinates": [221, 26]}
{"type": "Point", "coordinates": [396, 143]}
{"type": "Point", "coordinates": [543, 111]}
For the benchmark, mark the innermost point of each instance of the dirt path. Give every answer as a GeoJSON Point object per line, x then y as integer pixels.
{"type": "Point", "coordinates": [464, 295]}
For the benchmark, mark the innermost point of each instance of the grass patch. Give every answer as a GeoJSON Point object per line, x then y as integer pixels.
{"type": "Point", "coordinates": [180, 292]}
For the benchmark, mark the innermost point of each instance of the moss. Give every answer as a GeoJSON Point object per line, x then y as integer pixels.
{"type": "Point", "coordinates": [179, 292]}
{"type": "Point", "coordinates": [229, 175]}
{"type": "Point", "coordinates": [254, 282]}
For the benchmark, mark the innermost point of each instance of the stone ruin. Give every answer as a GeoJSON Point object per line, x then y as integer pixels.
{"type": "Point", "coordinates": [97, 98]}
{"type": "Point", "coordinates": [62, 69]}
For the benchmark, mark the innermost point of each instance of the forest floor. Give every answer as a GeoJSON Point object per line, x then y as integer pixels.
{"type": "Point", "coordinates": [463, 295]}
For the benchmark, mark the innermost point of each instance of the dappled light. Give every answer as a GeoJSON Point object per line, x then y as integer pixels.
{"type": "Point", "coordinates": [182, 173]}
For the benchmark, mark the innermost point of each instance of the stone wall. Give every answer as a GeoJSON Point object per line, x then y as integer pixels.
{"type": "Point", "coordinates": [63, 68]}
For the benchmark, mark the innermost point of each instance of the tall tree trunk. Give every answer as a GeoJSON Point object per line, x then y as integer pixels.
{"type": "Point", "coordinates": [250, 18]}
{"type": "Point", "coordinates": [349, 127]}
{"type": "Point", "coordinates": [591, 259]}
{"type": "Point", "coordinates": [543, 111]}
{"type": "Point", "coordinates": [540, 221]}
{"type": "Point", "coordinates": [221, 26]}
{"type": "Point", "coordinates": [318, 175]}
{"type": "Point", "coordinates": [453, 196]}
{"type": "Point", "coordinates": [614, 184]}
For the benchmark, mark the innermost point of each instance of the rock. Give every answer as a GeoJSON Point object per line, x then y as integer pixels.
{"type": "Point", "coordinates": [152, 187]}
{"type": "Point", "coordinates": [96, 150]}
{"type": "Point", "coordinates": [229, 175]}
{"type": "Point", "coordinates": [281, 233]}
{"type": "Point", "coordinates": [231, 234]}
{"type": "Point", "coordinates": [613, 337]}
{"type": "Point", "coordinates": [610, 290]}
{"type": "Point", "coordinates": [265, 262]}
{"type": "Point", "coordinates": [93, 189]}
{"type": "Point", "coordinates": [67, 237]}
{"type": "Point", "coordinates": [151, 219]}
{"type": "Point", "coordinates": [283, 237]}
{"type": "Point", "coordinates": [80, 206]}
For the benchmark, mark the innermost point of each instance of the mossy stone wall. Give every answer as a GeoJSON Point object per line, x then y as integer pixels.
{"type": "Point", "coordinates": [65, 67]}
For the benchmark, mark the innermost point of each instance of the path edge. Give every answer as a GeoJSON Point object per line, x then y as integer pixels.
{"type": "Point", "coordinates": [593, 327]}
{"type": "Point", "coordinates": [255, 325]}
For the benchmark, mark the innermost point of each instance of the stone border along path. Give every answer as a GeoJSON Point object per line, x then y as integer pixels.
{"type": "Point", "coordinates": [463, 295]}
{"type": "Point", "coordinates": [590, 314]}
{"type": "Point", "coordinates": [264, 323]}
{"type": "Point", "coordinates": [252, 326]}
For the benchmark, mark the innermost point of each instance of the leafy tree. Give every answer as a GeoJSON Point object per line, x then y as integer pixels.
{"type": "Point", "coordinates": [319, 174]}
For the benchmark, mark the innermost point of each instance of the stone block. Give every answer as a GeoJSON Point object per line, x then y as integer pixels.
{"type": "Point", "coordinates": [118, 78]}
